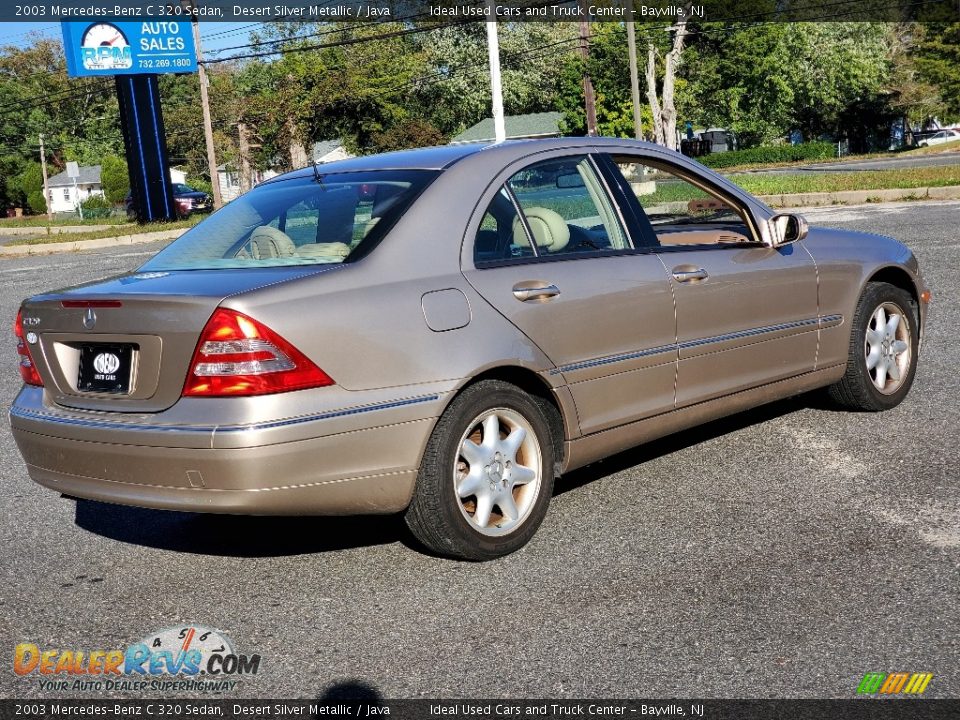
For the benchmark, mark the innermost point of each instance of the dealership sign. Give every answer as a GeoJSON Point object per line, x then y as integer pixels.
{"type": "Point", "coordinates": [128, 48]}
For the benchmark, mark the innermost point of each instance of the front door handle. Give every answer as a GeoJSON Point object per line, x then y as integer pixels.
{"type": "Point", "coordinates": [682, 275]}
{"type": "Point", "coordinates": [525, 292]}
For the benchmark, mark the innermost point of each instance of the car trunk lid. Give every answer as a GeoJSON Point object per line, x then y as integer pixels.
{"type": "Point", "coordinates": [125, 344]}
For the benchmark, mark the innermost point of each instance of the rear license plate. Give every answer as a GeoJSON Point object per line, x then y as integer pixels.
{"type": "Point", "coordinates": [105, 368]}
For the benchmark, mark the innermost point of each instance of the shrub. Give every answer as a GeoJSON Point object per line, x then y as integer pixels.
{"type": "Point", "coordinates": [199, 183]}
{"type": "Point", "coordinates": [114, 178]}
{"type": "Point", "coordinates": [770, 154]}
{"type": "Point", "coordinates": [96, 206]}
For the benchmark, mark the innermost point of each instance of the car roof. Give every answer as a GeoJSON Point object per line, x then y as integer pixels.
{"type": "Point", "coordinates": [442, 157]}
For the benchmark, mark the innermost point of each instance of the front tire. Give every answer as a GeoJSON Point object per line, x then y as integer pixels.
{"type": "Point", "coordinates": [882, 359]}
{"type": "Point", "coordinates": [487, 474]}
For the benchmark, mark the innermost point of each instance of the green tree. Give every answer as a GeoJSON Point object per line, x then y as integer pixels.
{"type": "Point", "coordinates": [26, 189]}
{"type": "Point", "coordinates": [937, 61]}
{"type": "Point", "coordinates": [114, 178]}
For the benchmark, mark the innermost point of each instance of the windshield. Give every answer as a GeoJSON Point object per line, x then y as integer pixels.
{"type": "Point", "coordinates": [181, 188]}
{"type": "Point", "coordinates": [302, 221]}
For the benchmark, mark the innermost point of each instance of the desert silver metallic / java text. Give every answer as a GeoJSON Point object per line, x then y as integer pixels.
{"type": "Point", "coordinates": [498, 471]}
{"type": "Point", "coordinates": [887, 347]}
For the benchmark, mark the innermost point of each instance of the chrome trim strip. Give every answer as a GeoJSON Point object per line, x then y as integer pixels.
{"type": "Point", "coordinates": [329, 415]}
{"type": "Point", "coordinates": [110, 425]}
{"type": "Point", "coordinates": [613, 358]}
{"type": "Point", "coordinates": [749, 333]}
{"type": "Point", "coordinates": [819, 322]}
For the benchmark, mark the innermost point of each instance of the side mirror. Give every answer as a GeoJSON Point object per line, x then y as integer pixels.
{"type": "Point", "coordinates": [788, 229]}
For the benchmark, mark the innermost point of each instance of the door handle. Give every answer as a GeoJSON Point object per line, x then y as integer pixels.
{"type": "Point", "coordinates": [525, 293]}
{"type": "Point", "coordinates": [685, 276]}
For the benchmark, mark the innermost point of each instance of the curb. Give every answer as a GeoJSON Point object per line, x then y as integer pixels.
{"type": "Point", "coordinates": [54, 229]}
{"type": "Point", "coordinates": [862, 197]}
{"type": "Point", "coordinates": [62, 247]}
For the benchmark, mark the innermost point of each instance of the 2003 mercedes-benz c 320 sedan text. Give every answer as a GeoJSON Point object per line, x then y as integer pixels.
{"type": "Point", "coordinates": [441, 332]}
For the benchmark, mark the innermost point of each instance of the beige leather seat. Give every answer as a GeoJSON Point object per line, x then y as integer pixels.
{"type": "Point", "coordinates": [550, 230]}
{"type": "Point", "coordinates": [324, 252]}
{"type": "Point", "coordinates": [268, 242]}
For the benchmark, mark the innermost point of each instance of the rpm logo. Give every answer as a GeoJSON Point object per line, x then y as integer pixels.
{"type": "Point", "coordinates": [106, 364]}
{"type": "Point", "coordinates": [105, 47]}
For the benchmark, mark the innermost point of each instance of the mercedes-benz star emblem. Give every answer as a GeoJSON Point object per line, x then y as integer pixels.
{"type": "Point", "coordinates": [89, 319]}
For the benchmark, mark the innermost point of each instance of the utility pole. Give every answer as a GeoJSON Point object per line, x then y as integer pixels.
{"type": "Point", "coordinates": [496, 85]}
{"type": "Point", "coordinates": [46, 189]}
{"type": "Point", "coordinates": [634, 73]}
{"type": "Point", "coordinates": [589, 96]}
{"type": "Point", "coordinates": [205, 104]}
{"type": "Point", "coordinates": [244, 147]}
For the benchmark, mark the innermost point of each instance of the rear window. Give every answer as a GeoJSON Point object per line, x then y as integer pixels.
{"type": "Point", "coordinates": [302, 221]}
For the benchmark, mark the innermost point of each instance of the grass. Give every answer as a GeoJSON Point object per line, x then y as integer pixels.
{"type": "Point", "coordinates": [747, 167]}
{"type": "Point", "coordinates": [126, 229]}
{"type": "Point", "coordinates": [40, 221]}
{"type": "Point", "coordinates": [839, 181]}
{"type": "Point", "coordinates": [934, 149]}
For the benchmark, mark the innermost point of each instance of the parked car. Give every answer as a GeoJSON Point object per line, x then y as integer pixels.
{"type": "Point", "coordinates": [443, 332]}
{"type": "Point", "coordinates": [188, 201]}
{"type": "Point", "coordinates": [941, 137]}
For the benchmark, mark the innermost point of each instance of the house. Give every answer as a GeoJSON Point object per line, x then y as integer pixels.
{"type": "Point", "coordinates": [66, 193]}
{"type": "Point", "coordinates": [228, 175]}
{"type": "Point", "coordinates": [531, 125]}
{"type": "Point", "coordinates": [329, 151]}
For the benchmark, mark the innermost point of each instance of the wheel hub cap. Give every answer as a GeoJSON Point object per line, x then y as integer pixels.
{"type": "Point", "coordinates": [498, 472]}
{"type": "Point", "coordinates": [887, 348]}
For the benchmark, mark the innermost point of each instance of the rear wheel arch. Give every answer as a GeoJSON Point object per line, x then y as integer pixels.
{"type": "Point", "coordinates": [539, 389]}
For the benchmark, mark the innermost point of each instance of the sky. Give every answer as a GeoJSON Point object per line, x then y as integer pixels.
{"type": "Point", "coordinates": [213, 35]}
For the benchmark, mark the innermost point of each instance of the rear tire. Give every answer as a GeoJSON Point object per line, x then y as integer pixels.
{"type": "Point", "coordinates": [487, 474]}
{"type": "Point", "coordinates": [882, 358]}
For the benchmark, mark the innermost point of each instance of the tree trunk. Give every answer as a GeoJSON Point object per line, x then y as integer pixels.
{"type": "Point", "coordinates": [665, 111]}
{"type": "Point", "coordinates": [298, 153]}
{"type": "Point", "coordinates": [652, 94]}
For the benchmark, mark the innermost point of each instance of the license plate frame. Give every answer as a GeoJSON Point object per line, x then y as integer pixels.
{"type": "Point", "coordinates": [105, 368]}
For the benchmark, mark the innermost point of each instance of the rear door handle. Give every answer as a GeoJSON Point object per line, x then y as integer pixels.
{"type": "Point", "coordinates": [685, 276]}
{"type": "Point", "coordinates": [526, 292]}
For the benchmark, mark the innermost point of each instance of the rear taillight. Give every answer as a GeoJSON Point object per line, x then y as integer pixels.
{"type": "Point", "coordinates": [28, 371]}
{"type": "Point", "coordinates": [236, 355]}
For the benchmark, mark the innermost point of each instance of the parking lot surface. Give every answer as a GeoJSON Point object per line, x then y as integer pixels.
{"type": "Point", "coordinates": [783, 552]}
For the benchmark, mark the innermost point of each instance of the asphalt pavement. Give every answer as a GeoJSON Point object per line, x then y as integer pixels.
{"type": "Point", "coordinates": [783, 552]}
{"type": "Point", "coordinates": [855, 165]}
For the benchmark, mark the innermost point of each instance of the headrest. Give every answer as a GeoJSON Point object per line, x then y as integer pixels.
{"type": "Point", "coordinates": [268, 242]}
{"type": "Point", "coordinates": [549, 229]}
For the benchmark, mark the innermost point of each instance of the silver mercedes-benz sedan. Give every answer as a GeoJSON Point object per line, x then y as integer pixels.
{"type": "Point", "coordinates": [442, 332]}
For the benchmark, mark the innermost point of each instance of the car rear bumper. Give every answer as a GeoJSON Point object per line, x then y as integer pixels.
{"type": "Point", "coordinates": [322, 464]}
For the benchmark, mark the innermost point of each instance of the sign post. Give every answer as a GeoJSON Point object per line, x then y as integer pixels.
{"type": "Point", "coordinates": [135, 53]}
{"type": "Point", "coordinates": [73, 172]}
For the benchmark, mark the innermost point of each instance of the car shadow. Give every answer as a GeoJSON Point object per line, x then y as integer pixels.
{"type": "Point", "coordinates": [685, 439]}
{"type": "Point", "coordinates": [251, 536]}
{"type": "Point", "coordinates": [237, 535]}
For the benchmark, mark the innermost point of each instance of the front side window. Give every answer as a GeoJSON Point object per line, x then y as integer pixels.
{"type": "Point", "coordinates": [679, 211]}
{"type": "Point", "coordinates": [301, 221]}
{"type": "Point", "coordinates": [563, 207]}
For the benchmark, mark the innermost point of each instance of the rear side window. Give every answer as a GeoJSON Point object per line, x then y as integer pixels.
{"type": "Point", "coordinates": [302, 221]}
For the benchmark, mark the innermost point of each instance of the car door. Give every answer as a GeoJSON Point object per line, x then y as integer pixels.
{"type": "Point", "coordinates": [551, 253]}
{"type": "Point", "coordinates": [747, 314]}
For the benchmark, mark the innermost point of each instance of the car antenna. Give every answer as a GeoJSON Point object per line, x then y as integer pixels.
{"type": "Point", "coordinates": [317, 176]}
